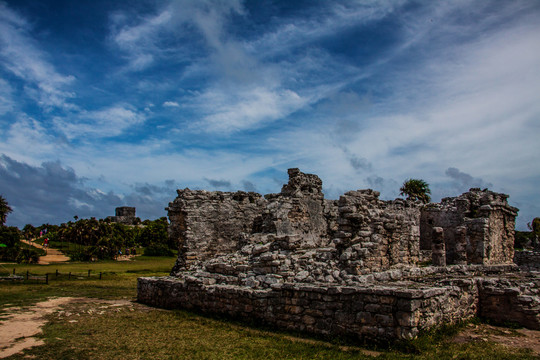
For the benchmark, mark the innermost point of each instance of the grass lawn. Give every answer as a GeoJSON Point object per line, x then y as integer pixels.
{"type": "Point", "coordinates": [107, 324]}
{"type": "Point", "coordinates": [119, 280]}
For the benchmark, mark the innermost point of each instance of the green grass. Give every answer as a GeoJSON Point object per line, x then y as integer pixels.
{"type": "Point", "coordinates": [119, 279]}
{"type": "Point", "coordinates": [158, 334]}
{"type": "Point", "coordinates": [141, 263]}
{"type": "Point", "coordinates": [95, 329]}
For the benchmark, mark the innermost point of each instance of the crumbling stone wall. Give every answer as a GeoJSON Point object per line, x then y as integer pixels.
{"type": "Point", "coordinates": [347, 266]}
{"type": "Point", "coordinates": [206, 224]}
{"type": "Point", "coordinates": [375, 235]}
{"type": "Point", "coordinates": [509, 301]}
{"type": "Point", "coordinates": [300, 211]}
{"type": "Point", "coordinates": [359, 231]}
{"type": "Point", "coordinates": [478, 227]}
{"type": "Point", "coordinates": [528, 260]}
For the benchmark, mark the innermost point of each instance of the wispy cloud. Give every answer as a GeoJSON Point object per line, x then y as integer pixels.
{"type": "Point", "coordinates": [326, 21]}
{"type": "Point", "coordinates": [249, 186]}
{"type": "Point", "coordinates": [27, 139]}
{"type": "Point", "coordinates": [171, 104]}
{"type": "Point", "coordinates": [109, 122]}
{"type": "Point", "coordinates": [243, 110]}
{"type": "Point", "coordinates": [138, 42]}
{"type": "Point", "coordinates": [159, 35]}
{"type": "Point", "coordinates": [21, 55]}
{"type": "Point", "coordinates": [7, 103]}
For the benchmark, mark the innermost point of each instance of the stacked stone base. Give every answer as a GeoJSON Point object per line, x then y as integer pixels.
{"type": "Point", "coordinates": [377, 312]}
{"type": "Point", "coordinates": [528, 260]}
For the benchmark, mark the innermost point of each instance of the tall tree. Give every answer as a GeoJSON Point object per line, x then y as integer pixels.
{"type": "Point", "coordinates": [416, 189]}
{"type": "Point", "coordinates": [4, 210]}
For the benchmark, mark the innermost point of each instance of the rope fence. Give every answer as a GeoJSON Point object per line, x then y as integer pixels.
{"type": "Point", "coordinates": [27, 277]}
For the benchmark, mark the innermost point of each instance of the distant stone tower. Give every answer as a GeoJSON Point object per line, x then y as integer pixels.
{"type": "Point", "coordinates": [125, 211]}
{"type": "Point", "coordinates": [124, 215]}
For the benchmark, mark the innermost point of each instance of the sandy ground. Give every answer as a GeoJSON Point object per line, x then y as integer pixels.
{"type": "Point", "coordinates": [19, 327]}
{"type": "Point", "coordinates": [17, 331]}
{"type": "Point", "coordinates": [53, 255]}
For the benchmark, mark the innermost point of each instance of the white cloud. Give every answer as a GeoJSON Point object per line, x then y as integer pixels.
{"type": "Point", "coordinates": [28, 140]}
{"type": "Point", "coordinates": [139, 41]}
{"type": "Point", "coordinates": [328, 20]}
{"type": "Point", "coordinates": [21, 55]}
{"type": "Point", "coordinates": [7, 103]}
{"type": "Point", "coordinates": [149, 39]}
{"type": "Point", "coordinates": [128, 37]}
{"type": "Point", "coordinates": [76, 204]}
{"type": "Point", "coordinates": [171, 104]}
{"type": "Point", "coordinates": [246, 109]}
{"type": "Point", "coordinates": [108, 122]}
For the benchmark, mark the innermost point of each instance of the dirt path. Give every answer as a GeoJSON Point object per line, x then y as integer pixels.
{"type": "Point", "coordinates": [53, 255]}
{"type": "Point", "coordinates": [510, 338]}
{"type": "Point", "coordinates": [17, 331]}
{"type": "Point", "coordinates": [19, 327]}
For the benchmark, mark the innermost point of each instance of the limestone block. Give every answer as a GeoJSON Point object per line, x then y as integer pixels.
{"type": "Point", "coordinates": [438, 249]}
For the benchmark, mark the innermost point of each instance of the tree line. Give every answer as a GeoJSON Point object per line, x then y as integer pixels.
{"type": "Point", "coordinates": [85, 239]}
{"type": "Point", "coordinates": [93, 239]}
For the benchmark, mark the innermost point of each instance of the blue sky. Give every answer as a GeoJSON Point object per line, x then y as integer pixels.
{"type": "Point", "coordinates": [110, 103]}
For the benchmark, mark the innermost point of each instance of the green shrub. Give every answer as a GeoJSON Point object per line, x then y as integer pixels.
{"type": "Point", "coordinates": [27, 256]}
{"type": "Point", "coordinates": [10, 237]}
{"type": "Point", "coordinates": [523, 239]}
{"type": "Point", "coordinates": [155, 232]}
{"type": "Point", "coordinates": [158, 250]}
{"type": "Point", "coordinates": [9, 254]}
{"type": "Point", "coordinates": [80, 255]}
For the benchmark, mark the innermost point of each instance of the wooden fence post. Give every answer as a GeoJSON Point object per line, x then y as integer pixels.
{"type": "Point", "coordinates": [89, 273]}
{"type": "Point", "coordinates": [13, 271]}
{"type": "Point", "coordinates": [56, 272]}
{"type": "Point", "coordinates": [99, 276]}
{"type": "Point", "coordinates": [26, 274]}
{"type": "Point", "coordinates": [47, 279]}
{"type": "Point", "coordinates": [69, 278]}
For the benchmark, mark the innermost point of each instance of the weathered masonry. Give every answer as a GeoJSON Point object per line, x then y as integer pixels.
{"type": "Point", "coordinates": [354, 266]}
{"type": "Point", "coordinates": [124, 215]}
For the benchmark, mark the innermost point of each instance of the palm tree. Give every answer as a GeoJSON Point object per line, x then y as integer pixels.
{"type": "Point", "coordinates": [4, 210]}
{"type": "Point", "coordinates": [416, 189]}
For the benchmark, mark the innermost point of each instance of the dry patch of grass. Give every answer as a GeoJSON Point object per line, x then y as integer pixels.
{"type": "Point", "coordinates": [512, 339]}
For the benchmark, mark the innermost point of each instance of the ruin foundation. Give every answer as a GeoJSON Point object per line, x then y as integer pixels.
{"type": "Point", "coordinates": [357, 266]}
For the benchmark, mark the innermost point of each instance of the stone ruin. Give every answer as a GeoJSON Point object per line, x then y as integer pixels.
{"type": "Point", "coordinates": [123, 215]}
{"type": "Point", "coordinates": [358, 266]}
